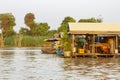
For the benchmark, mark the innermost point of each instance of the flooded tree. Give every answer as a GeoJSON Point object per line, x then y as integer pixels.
{"type": "Point", "coordinates": [7, 24]}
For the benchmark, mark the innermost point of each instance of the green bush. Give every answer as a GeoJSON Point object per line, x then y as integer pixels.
{"type": "Point", "coordinates": [27, 41]}
{"type": "Point", "coordinates": [9, 41]}
{"type": "Point", "coordinates": [33, 40]}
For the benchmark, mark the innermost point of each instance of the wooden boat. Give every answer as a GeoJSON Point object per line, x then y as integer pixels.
{"type": "Point", "coordinates": [48, 50]}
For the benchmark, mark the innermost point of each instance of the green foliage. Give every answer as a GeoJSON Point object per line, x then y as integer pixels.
{"type": "Point", "coordinates": [42, 28]}
{"type": "Point", "coordinates": [52, 32]}
{"type": "Point", "coordinates": [39, 30]}
{"type": "Point", "coordinates": [8, 32]}
{"type": "Point", "coordinates": [29, 41]}
{"type": "Point", "coordinates": [9, 41]}
{"type": "Point", "coordinates": [34, 40]}
{"type": "Point", "coordinates": [66, 42]}
{"type": "Point", "coordinates": [23, 31]}
{"type": "Point", "coordinates": [7, 23]}
{"type": "Point", "coordinates": [91, 20]}
{"type": "Point", "coordinates": [64, 25]}
{"type": "Point", "coordinates": [29, 20]}
{"type": "Point", "coordinates": [36, 29]}
{"type": "Point", "coordinates": [7, 20]}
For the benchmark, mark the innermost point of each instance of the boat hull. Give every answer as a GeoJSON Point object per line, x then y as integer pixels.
{"type": "Point", "coordinates": [48, 50]}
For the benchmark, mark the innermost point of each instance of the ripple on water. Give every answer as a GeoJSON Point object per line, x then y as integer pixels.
{"type": "Point", "coordinates": [32, 65]}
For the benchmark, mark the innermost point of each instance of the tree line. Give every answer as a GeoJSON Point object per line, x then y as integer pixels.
{"type": "Point", "coordinates": [35, 29]}
{"type": "Point", "coordinates": [7, 23]}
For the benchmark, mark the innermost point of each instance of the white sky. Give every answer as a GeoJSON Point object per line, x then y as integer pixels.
{"type": "Point", "coordinates": [54, 11]}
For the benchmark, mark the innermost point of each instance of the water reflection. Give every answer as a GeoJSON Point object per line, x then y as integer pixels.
{"type": "Point", "coordinates": [93, 69]}
{"type": "Point", "coordinates": [21, 64]}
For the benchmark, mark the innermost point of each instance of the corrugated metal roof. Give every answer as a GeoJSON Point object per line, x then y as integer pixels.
{"type": "Point", "coordinates": [94, 28]}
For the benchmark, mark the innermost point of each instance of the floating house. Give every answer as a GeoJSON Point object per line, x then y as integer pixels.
{"type": "Point", "coordinates": [96, 38]}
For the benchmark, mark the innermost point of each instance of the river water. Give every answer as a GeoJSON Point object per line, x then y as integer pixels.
{"type": "Point", "coordinates": [31, 64]}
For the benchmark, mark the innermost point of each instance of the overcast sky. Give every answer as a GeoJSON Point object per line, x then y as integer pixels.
{"type": "Point", "coordinates": [54, 11]}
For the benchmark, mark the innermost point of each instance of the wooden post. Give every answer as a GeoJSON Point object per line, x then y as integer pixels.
{"type": "Point", "coordinates": [116, 44]}
{"type": "Point", "coordinates": [93, 44]}
{"type": "Point", "coordinates": [88, 41]}
{"type": "Point", "coordinates": [111, 42]}
{"type": "Point", "coordinates": [73, 48]}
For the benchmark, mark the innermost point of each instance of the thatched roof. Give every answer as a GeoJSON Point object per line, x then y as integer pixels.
{"type": "Point", "coordinates": [94, 28]}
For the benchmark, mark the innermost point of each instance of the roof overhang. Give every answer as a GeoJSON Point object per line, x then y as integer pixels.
{"type": "Point", "coordinates": [94, 28]}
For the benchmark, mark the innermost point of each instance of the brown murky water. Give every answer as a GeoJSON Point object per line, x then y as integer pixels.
{"type": "Point", "coordinates": [31, 64]}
